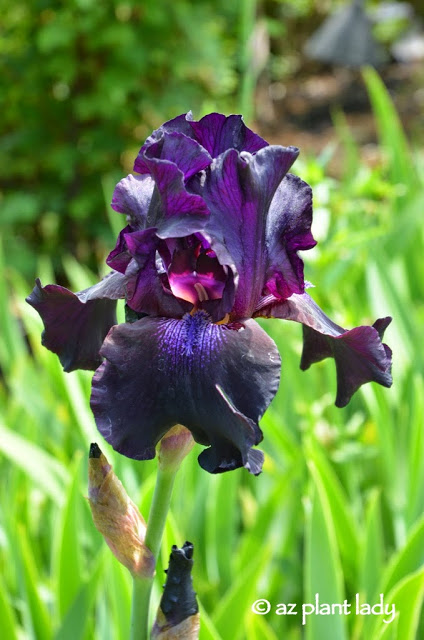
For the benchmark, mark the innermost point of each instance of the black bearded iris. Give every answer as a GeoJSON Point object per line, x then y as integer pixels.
{"type": "Point", "coordinates": [214, 224]}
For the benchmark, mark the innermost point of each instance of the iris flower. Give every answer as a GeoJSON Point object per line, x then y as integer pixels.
{"type": "Point", "coordinates": [214, 226]}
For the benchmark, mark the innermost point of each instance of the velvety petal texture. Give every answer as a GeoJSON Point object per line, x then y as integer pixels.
{"type": "Point", "coordinates": [214, 134]}
{"type": "Point", "coordinates": [159, 372]}
{"type": "Point", "coordinates": [288, 230]}
{"type": "Point", "coordinates": [189, 156]}
{"type": "Point", "coordinates": [120, 257]}
{"type": "Point", "coordinates": [214, 177]}
{"type": "Point", "coordinates": [249, 201]}
{"type": "Point", "coordinates": [168, 207]}
{"type": "Point", "coordinates": [75, 324]}
{"type": "Point", "coordinates": [218, 133]}
{"type": "Point", "coordinates": [359, 354]}
{"type": "Point", "coordinates": [156, 209]}
{"type": "Point", "coordinates": [132, 196]}
{"type": "Point", "coordinates": [214, 227]}
{"type": "Point", "coordinates": [145, 285]}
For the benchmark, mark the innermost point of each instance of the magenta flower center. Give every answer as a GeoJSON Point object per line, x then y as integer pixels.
{"type": "Point", "coordinates": [194, 273]}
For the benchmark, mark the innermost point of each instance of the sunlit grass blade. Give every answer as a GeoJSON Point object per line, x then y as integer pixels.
{"type": "Point", "coordinates": [372, 551]}
{"type": "Point", "coordinates": [109, 182]}
{"type": "Point", "coordinates": [416, 451]}
{"type": "Point", "coordinates": [407, 561]}
{"type": "Point", "coordinates": [407, 597]}
{"type": "Point", "coordinates": [323, 572]}
{"type": "Point", "coordinates": [208, 630]}
{"type": "Point", "coordinates": [12, 345]}
{"type": "Point", "coordinates": [265, 516]}
{"type": "Point", "coordinates": [240, 596]}
{"type": "Point", "coordinates": [38, 615]}
{"type": "Point", "coordinates": [409, 558]}
{"type": "Point", "coordinates": [118, 585]}
{"type": "Point", "coordinates": [78, 400]}
{"type": "Point", "coordinates": [42, 468]}
{"type": "Point", "coordinates": [172, 535]}
{"type": "Point", "coordinates": [79, 277]}
{"type": "Point", "coordinates": [77, 618]}
{"type": "Point", "coordinates": [8, 622]}
{"type": "Point", "coordinates": [259, 629]}
{"type": "Point", "coordinates": [390, 631]}
{"type": "Point", "coordinates": [352, 159]}
{"type": "Point", "coordinates": [222, 523]}
{"type": "Point", "coordinates": [342, 518]}
{"type": "Point", "coordinates": [390, 129]}
{"type": "Point", "coordinates": [390, 298]}
{"type": "Point", "coordinates": [69, 564]}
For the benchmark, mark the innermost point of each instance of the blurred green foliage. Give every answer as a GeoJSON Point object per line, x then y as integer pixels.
{"type": "Point", "coordinates": [81, 82]}
{"type": "Point", "coordinates": [339, 508]}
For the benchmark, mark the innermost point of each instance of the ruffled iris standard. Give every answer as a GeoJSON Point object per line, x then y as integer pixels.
{"type": "Point", "coordinates": [214, 224]}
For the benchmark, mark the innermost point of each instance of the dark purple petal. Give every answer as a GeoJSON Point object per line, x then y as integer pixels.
{"type": "Point", "coordinates": [218, 309]}
{"type": "Point", "coordinates": [359, 354]}
{"type": "Point", "coordinates": [161, 372]}
{"type": "Point", "coordinates": [173, 211]}
{"type": "Point", "coordinates": [169, 207]}
{"type": "Point", "coordinates": [184, 152]}
{"type": "Point", "coordinates": [288, 230]}
{"type": "Point", "coordinates": [151, 277]}
{"type": "Point", "coordinates": [119, 258]}
{"type": "Point", "coordinates": [75, 324]}
{"type": "Point", "coordinates": [215, 132]}
{"type": "Point", "coordinates": [132, 196]}
{"type": "Point", "coordinates": [110, 287]}
{"type": "Point", "coordinates": [145, 290]}
{"type": "Point", "coordinates": [218, 133]}
{"type": "Point", "coordinates": [238, 190]}
{"type": "Point", "coordinates": [180, 124]}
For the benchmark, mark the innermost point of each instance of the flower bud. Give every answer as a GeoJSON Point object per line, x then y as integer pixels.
{"type": "Point", "coordinates": [174, 446]}
{"type": "Point", "coordinates": [117, 517]}
{"type": "Point", "coordinates": [178, 614]}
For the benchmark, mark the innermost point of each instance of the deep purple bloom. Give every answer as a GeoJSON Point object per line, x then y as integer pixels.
{"type": "Point", "coordinates": [214, 226]}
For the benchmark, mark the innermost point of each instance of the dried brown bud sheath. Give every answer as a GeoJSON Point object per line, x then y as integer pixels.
{"type": "Point", "coordinates": [117, 517]}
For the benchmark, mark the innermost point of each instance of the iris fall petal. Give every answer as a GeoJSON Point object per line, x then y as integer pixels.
{"type": "Point", "coordinates": [160, 372]}
{"type": "Point", "coordinates": [75, 324]}
{"type": "Point", "coordinates": [359, 354]}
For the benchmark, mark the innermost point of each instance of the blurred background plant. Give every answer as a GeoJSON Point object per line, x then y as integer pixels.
{"type": "Point", "coordinates": [339, 508]}
{"type": "Point", "coordinates": [82, 84]}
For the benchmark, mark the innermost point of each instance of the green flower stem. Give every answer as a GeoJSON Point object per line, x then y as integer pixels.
{"type": "Point", "coordinates": [155, 525]}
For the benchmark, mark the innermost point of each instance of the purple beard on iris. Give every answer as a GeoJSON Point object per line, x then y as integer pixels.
{"type": "Point", "coordinates": [214, 226]}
